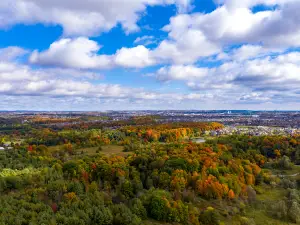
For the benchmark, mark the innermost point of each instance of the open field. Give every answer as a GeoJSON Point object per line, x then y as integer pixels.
{"type": "Point", "coordinates": [295, 169]}
{"type": "Point", "coordinates": [106, 150]}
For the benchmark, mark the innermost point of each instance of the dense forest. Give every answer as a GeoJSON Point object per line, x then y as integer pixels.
{"type": "Point", "coordinates": [147, 173]}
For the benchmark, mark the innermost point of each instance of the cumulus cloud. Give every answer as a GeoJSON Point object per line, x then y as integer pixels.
{"type": "Point", "coordinates": [75, 53]}
{"type": "Point", "coordinates": [186, 47]}
{"type": "Point", "coordinates": [272, 28]}
{"type": "Point", "coordinates": [145, 40]}
{"type": "Point", "coordinates": [22, 80]}
{"type": "Point", "coordinates": [251, 3]}
{"type": "Point", "coordinates": [192, 37]}
{"type": "Point", "coordinates": [80, 17]}
{"type": "Point", "coordinates": [19, 79]}
{"type": "Point", "coordinates": [264, 77]}
{"type": "Point", "coordinates": [138, 57]}
{"type": "Point", "coordinates": [179, 72]}
{"type": "Point", "coordinates": [82, 53]}
{"type": "Point", "coordinates": [11, 53]}
{"type": "Point", "coordinates": [232, 54]}
{"type": "Point", "coordinates": [246, 52]}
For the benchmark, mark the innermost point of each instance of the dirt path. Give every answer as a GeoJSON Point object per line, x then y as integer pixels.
{"type": "Point", "coordinates": [283, 175]}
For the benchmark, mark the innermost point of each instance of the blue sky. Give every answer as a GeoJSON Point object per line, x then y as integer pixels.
{"type": "Point", "coordinates": [149, 54]}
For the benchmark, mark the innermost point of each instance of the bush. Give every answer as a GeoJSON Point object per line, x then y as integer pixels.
{"type": "Point", "coordinates": [138, 209]}
{"type": "Point", "coordinates": [259, 179]}
{"type": "Point", "coordinates": [14, 182]}
{"type": "Point", "coordinates": [293, 195]}
{"type": "Point", "coordinates": [294, 212]}
{"type": "Point", "coordinates": [286, 183]}
{"type": "Point", "coordinates": [176, 164]}
{"type": "Point", "coordinates": [246, 221]}
{"type": "Point", "coordinates": [279, 210]}
{"type": "Point", "coordinates": [76, 187]}
{"type": "Point", "coordinates": [123, 216]}
{"type": "Point", "coordinates": [159, 208]}
{"type": "Point", "coordinates": [101, 216]}
{"type": "Point", "coordinates": [285, 163]}
{"type": "Point", "coordinates": [127, 189]}
{"type": "Point", "coordinates": [209, 217]}
{"type": "Point", "coordinates": [251, 193]}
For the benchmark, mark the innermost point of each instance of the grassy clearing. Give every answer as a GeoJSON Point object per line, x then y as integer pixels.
{"type": "Point", "coordinates": [55, 148]}
{"type": "Point", "coordinates": [269, 194]}
{"type": "Point", "coordinates": [261, 218]}
{"type": "Point", "coordinates": [294, 173]}
{"type": "Point", "coordinates": [106, 150]}
{"type": "Point", "coordinates": [17, 141]}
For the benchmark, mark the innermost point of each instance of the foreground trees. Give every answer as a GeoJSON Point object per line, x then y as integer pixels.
{"type": "Point", "coordinates": [174, 182]}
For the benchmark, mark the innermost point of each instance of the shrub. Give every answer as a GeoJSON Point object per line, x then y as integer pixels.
{"type": "Point", "coordinates": [101, 216]}
{"type": "Point", "coordinates": [138, 209]}
{"type": "Point", "coordinates": [209, 217]}
{"type": "Point", "coordinates": [294, 212]}
{"type": "Point", "coordinates": [123, 216]}
{"type": "Point", "coordinates": [246, 221]}
{"type": "Point", "coordinates": [76, 187]}
{"type": "Point", "coordinates": [286, 183]}
{"type": "Point", "coordinates": [285, 163]}
{"type": "Point", "coordinates": [279, 210]}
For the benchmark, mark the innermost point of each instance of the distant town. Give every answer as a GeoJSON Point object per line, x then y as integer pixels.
{"type": "Point", "coordinates": [254, 123]}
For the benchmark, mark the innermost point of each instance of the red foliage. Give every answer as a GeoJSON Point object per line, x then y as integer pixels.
{"type": "Point", "coordinates": [94, 166]}
{"type": "Point", "coordinates": [85, 176]}
{"type": "Point", "coordinates": [30, 149]}
{"type": "Point", "coordinates": [54, 207]}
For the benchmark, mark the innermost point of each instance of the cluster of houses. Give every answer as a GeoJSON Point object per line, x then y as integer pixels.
{"type": "Point", "coordinates": [254, 131]}
{"type": "Point", "coordinates": [5, 146]}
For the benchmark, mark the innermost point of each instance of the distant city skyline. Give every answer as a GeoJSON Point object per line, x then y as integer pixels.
{"type": "Point", "coordinates": [100, 55]}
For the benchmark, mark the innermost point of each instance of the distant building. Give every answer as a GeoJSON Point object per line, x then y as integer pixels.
{"type": "Point", "coordinates": [213, 133]}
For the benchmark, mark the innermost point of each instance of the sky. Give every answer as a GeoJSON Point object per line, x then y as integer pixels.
{"type": "Point", "coordinates": [98, 55]}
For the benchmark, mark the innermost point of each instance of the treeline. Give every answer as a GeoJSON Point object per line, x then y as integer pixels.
{"type": "Point", "coordinates": [272, 147]}
{"type": "Point", "coordinates": [124, 135]}
{"type": "Point", "coordinates": [50, 120]}
{"type": "Point", "coordinates": [170, 132]}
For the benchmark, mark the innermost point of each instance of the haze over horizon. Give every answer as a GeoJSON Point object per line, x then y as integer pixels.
{"type": "Point", "coordinates": [149, 54]}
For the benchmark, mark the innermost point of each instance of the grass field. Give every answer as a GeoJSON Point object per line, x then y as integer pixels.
{"type": "Point", "coordinates": [259, 211]}
{"type": "Point", "coordinates": [295, 169]}
{"type": "Point", "coordinates": [106, 150]}
{"type": "Point", "coordinates": [261, 218]}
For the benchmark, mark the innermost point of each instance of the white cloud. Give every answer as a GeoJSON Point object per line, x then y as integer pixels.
{"type": "Point", "coordinates": [11, 53]}
{"type": "Point", "coordinates": [78, 53]}
{"type": "Point", "coordinates": [18, 79]}
{"type": "Point", "coordinates": [264, 78]}
{"type": "Point", "coordinates": [250, 3]}
{"type": "Point", "coordinates": [261, 70]}
{"type": "Point", "coordinates": [185, 46]}
{"type": "Point", "coordinates": [179, 72]}
{"type": "Point", "coordinates": [246, 52]}
{"type": "Point", "coordinates": [82, 53]}
{"type": "Point", "coordinates": [22, 80]}
{"type": "Point", "coordinates": [145, 40]}
{"type": "Point", "coordinates": [191, 37]}
{"type": "Point", "coordinates": [279, 28]}
{"type": "Point", "coordinates": [79, 17]}
{"type": "Point", "coordinates": [137, 57]}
